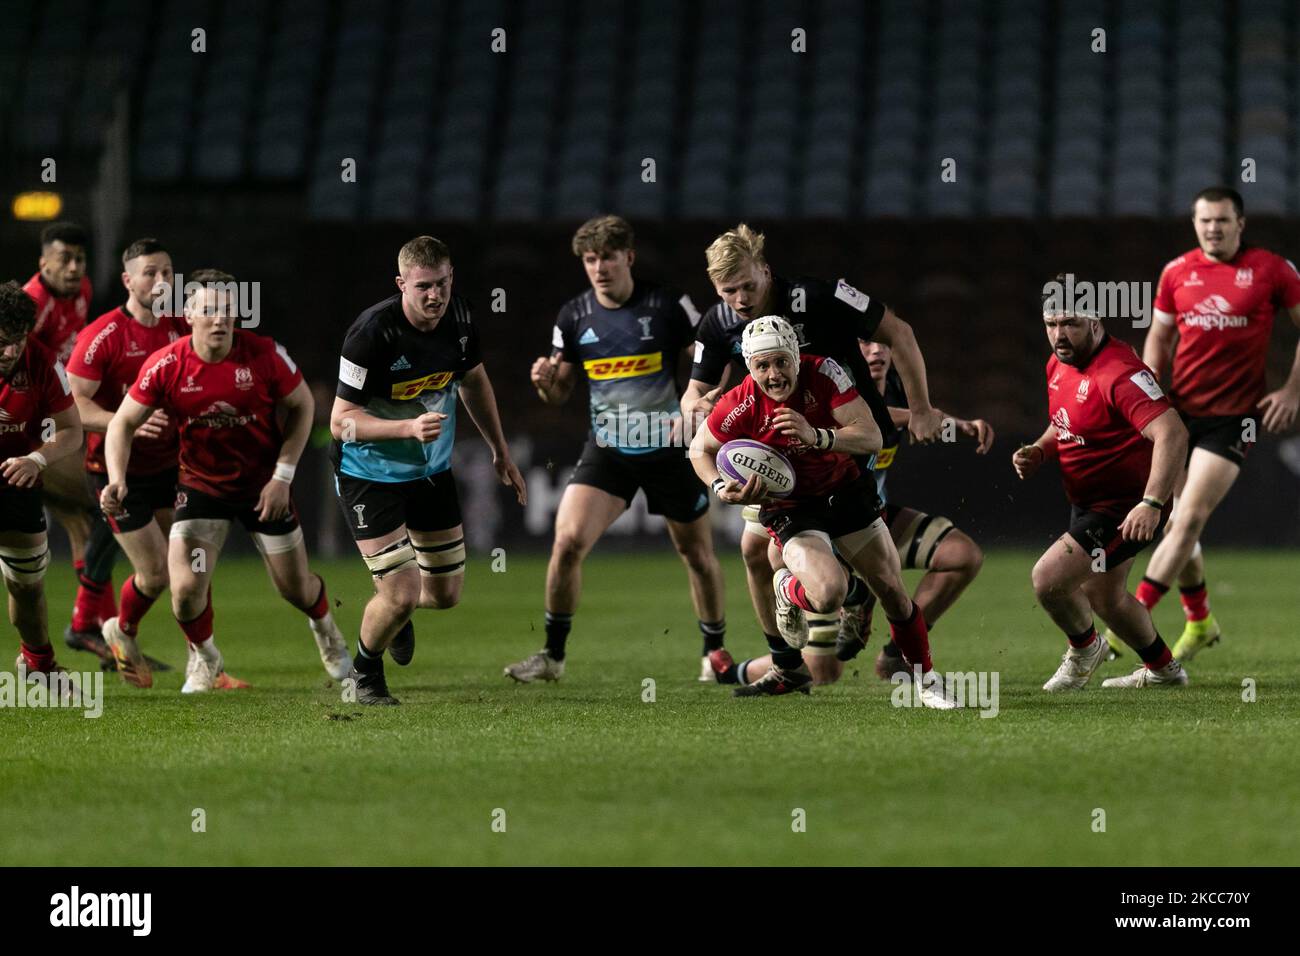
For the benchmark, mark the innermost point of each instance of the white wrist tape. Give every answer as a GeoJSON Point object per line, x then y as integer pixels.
{"type": "Point", "coordinates": [284, 472]}
{"type": "Point", "coordinates": [37, 457]}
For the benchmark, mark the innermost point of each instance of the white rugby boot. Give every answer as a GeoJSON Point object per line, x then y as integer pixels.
{"type": "Point", "coordinates": [1078, 664]}
{"type": "Point", "coordinates": [1171, 675]}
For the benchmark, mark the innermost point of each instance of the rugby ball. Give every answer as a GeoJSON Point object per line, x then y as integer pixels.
{"type": "Point", "coordinates": [744, 457]}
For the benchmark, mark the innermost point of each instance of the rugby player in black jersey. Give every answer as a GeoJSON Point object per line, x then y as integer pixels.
{"type": "Point", "coordinates": [626, 337]}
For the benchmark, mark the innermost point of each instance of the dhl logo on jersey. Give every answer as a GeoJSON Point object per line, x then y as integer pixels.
{"type": "Point", "coordinates": [885, 458]}
{"type": "Point", "coordinates": [623, 366]}
{"type": "Point", "coordinates": [405, 391]}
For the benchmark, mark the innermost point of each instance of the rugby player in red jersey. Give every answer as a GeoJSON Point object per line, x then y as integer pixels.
{"type": "Point", "coordinates": [830, 319]}
{"type": "Point", "coordinates": [1213, 317]}
{"type": "Point", "coordinates": [223, 388]}
{"type": "Point", "coordinates": [927, 542]}
{"type": "Point", "coordinates": [105, 363]}
{"type": "Point", "coordinates": [62, 294]}
{"type": "Point", "coordinates": [808, 409]}
{"type": "Point", "coordinates": [1119, 444]}
{"type": "Point", "coordinates": [38, 425]}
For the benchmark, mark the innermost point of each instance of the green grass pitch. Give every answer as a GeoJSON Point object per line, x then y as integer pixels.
{"type": "Point", "coordinates": [587, 772]}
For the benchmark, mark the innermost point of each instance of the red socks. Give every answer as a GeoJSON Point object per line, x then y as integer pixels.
{"type": "Point", "coordinates": [135, 605]}
{"type": "Point", "coordinates": [94, 604]}
{"type": "Point", "coordinates": [793, 590]}
{"type": "Point", "coordinates": [85, 610]}
{"type": "Point", "coordinates": [322, 605]}
{"type": "Point", "coordinates": [1150, 592]}
{"type": "Point", "coordinates": [38, 658]}
{"type": "Point", "coordinates": [913, 639]}
{"type": "Point", "coordinates": [1196, 602]}
{"type": "Point", "coordinates": [200, 629]}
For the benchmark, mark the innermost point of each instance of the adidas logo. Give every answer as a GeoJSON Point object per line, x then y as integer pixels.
{"type": "Point", "coordinates": [400, 365]}
{"type": "Point", "coordinates": [589, 337]}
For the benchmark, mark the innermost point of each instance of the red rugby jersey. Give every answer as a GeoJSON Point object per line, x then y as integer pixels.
{"type": "Point", "coordinates": [1224, 315]}
{"type": "Point", "coordinates": [1099, 412]}
{"type": "Point", "coordinates": [746, 412]}
{"type": "Point", "coordinates": [32, 393]}
{"type": "Point", "coordinates": [226, 411]}
{"type": "Point", "coordinates": [58, 320]}
{"type": "Point", "coordinates": [111, 351]}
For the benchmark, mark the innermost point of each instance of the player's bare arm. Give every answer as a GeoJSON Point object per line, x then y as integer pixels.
{"type": "Point", "coordinates": [1027, 459]}
{"type": "Point", "coordinates": [976, 428]}
{"type": "Point", "coordinates": [1169, 436]}
{"type": "Point", "coordinates": [1280, 406]}
{"type": "Point", "coordinates": [273, 503]}
{"type": "Point", "coordinates": [481, 403]}
{"type": "Point", "coordinates": [704, 459]}
{"type": "Point", "coordinates": [95, 417]}
{"type": "Point", "coordinates": [1158, 348]}
{"type": "Point", "coordinates": [22, 471]}
{"type": "Point", "coordinates": [350, 422]}
{"type": "Point", "coordinates": [121, 431]}
{"type": "Point", "coordinates": [926, 421]}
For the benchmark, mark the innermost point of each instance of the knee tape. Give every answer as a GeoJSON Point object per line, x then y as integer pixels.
{"type": "Point", "coordinates": [752, 525]}
{"type": "Point", "coordinates": [211, 531]}
{"type": "Point", "coordinates": [395, 557]}
{"type": "Point", "coordinates": [25, 565]}
{"type": "Point", "coordinates": [823, 629]}
{"type": "Point", "coordinates": [442, 560]}
{"type": "Point", "coordinates": [277, 543]}
{"type": "Point", "coordinates": [920, 540]}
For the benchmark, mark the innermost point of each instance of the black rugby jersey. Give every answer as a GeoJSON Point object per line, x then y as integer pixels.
{"type": "Point", "coordinates": [395, 371]}
{"type": "Point", "coordinates": [894, 397]}
{"type": "Point", "coordinates": [828, 317]}
{"type": "Point", "coordinates": [629, 357]}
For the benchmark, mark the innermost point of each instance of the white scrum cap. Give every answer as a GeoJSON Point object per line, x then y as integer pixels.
{"type": "Point", "coordinates": [770, 333]}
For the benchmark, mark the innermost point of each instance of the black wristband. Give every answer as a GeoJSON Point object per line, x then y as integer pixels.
{"type": "Point", "coordinates": [1153, 503]}
{"type": "Point", "coordinates": [825, 439]}
{"type": "Point", "coordinates": [718, 484]}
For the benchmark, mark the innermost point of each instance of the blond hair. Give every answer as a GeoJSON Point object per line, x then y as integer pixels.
{"type": "Point", "coordinates": [422, 251]}
{"type": "Point", "coordinates": [733, 252]}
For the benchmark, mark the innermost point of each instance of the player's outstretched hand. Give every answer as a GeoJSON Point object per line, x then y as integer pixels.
{"type": "Point", "coordinates": [790, 423]}
{"type": "Point", "coordinates": [1027, 460]}
{"type": "Point", "coordinates": [1141, 524]}
{"type": "Point", "coordinates": [925, 426]}
{"type": "Point", "coordinates": [543, 371]}
{"type": "Point", "coordinates": [510, 475]}
{"type": "Point", "coordinates": [981, 431]}
{"type": "Point", "coordinates": [1279, 409]}
{"type": "Point", "coordinates": [20, 472]}
{"type": "Point", "coordinates": [153, 426]}
{"type": "Point", "coordinates": [704, 405]}
{"type": "Point", "coordinates": [427, 427]}
{"type": "Point", "coordinates": [112, 497]}
{"type": "Point", "coordinates": [750, 493]}
{"type": "Point", "coordinates": [273, 502]}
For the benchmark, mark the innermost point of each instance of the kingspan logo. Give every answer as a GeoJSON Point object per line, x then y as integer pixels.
{"type": "Point", "coordinates": [1214, 312]}
{"type": "Point", "coordinates": [76, 909]}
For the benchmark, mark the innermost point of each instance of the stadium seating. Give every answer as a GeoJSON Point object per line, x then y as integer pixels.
{"type": "Point", "coordinates": [853, 123]}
